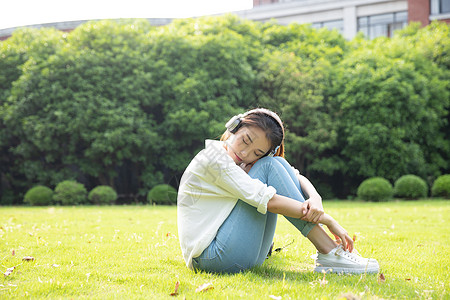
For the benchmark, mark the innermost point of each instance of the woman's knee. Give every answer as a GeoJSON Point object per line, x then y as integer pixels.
{"type": "Point", "coordinates": [265, 160]}
{"type": "Point", "coordinates": [283, 161]}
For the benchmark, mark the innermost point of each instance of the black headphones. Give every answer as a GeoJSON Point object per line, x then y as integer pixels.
{"type": "Point", "coordinates": [233, 124]}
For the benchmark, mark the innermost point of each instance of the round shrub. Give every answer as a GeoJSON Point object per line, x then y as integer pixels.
{"type": "Point", "coordinates": [162, 194]}
{"type": "Point", "coordinates": [410, 187]}
{"type": "Point", "coordinates": [441, 187]}
{"type": "Point", "coordinates": [39, 195]}
{"type": "Point", "coordinates": [102, 194]}
{"type": "Point", "coordinates": [375, 189]}
{"type": "Point", "coordinates": [70, 192]}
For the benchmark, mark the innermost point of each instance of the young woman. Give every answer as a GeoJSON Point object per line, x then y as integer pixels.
{"type": "Point", "coordinates": [233, 190]}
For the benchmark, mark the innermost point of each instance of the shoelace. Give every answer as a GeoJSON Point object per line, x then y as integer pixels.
{"type": "Point", "coordinates": [349, 255]}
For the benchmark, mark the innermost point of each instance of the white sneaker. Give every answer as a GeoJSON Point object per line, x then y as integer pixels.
{"type": "Point", "coordinates": [342, 261]}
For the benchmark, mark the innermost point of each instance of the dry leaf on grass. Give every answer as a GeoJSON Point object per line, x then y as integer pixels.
{"type": "Point", "coordinates": [13, 252]}
{"type": "Point", "coordinates": [9, 271]}
{"type": "Point", "coordinates": [204, 287]}
{"type": "Point", "coordinates": [323, 281]}
{"type": "Point", "coordinates": [28, 258]}
{"type": "Point", "coordinates": [176, 289]}
{"type": "Point", "coordinates": [381, 278]}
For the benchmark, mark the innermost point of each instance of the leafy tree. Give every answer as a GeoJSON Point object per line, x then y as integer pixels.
{"type": "Point", "coordinates": [391, 107]}
{"type": "Point", "coordinates": [205, 78]}
{"type": "Point", "coordinates": [76, 114]}
{"type": "Point", "coordinates": [25, 44]}
{"type": "Point", "coordinates": [296, 90]}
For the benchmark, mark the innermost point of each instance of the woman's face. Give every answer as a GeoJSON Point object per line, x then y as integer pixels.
{"type": "Point", "coordinates": [248, 144]}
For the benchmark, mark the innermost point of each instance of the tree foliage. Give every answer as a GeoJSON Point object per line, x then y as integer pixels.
{"type": "Point", "coordinates": [392, 109]}
{"type": "Point", "coordinates": [127, 104]}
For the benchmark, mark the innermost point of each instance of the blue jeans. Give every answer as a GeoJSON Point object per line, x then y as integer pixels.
{"type": "Point", "coordinates": [244, 239]}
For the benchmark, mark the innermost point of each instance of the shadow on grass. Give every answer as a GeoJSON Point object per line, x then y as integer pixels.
{"type": "Point", "coordinates": [278, 273]}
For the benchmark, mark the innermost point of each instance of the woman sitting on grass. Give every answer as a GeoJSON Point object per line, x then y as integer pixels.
{"type": "Point", "coordinates": [233, 190]}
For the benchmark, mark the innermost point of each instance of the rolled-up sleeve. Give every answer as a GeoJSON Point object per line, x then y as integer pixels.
{"type": "Point", "coordinates": [236, 182]}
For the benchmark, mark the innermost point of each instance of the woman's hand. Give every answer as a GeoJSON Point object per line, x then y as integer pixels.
{"type": "Point", "coordinates": [338, 231]}
{"type": "Point", "coordinates": [315, 210]}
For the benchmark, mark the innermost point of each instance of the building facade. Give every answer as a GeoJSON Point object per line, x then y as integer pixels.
{"type": "Point", "coordinates": [372, 17]}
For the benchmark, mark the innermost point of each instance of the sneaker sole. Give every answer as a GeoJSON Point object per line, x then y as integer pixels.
{"type": "Point", "coordinates": [340, 270]}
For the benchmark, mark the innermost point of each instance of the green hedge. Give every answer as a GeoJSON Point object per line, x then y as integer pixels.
{"type": "Point", "coordinates": [441, 187]}
{"type": "Point", "coordinates": [410, 187]}
{"type": "Point", "coordinates": [102, 194]}
{"type": "Point", "coordinates": [70, 192]}
{"type": "Point", "coordinates": [39, 195]}
{"type": "Point", "coordinates": [162, 194]}
{"type": "Point", "coordinates": [375, 189]}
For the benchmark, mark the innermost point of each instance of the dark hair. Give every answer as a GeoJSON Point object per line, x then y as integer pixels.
{"type": "Point", "coordinates": [272, 127]}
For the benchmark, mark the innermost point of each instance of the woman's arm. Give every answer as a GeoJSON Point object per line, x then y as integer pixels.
{"type": "Point", "coordinates": [315, 207]}
{"type": "Point", "coordinates": [287, 206]}
{"type": "Point", "coordinates": [338, 231]}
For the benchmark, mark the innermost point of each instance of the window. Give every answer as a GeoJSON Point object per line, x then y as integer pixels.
{"type": "Point", "coordinates": [335, 24]}
{"type": "Point", "coordinates": [382, 25]}
{"type": "Point", "coordinates": [439, 7]}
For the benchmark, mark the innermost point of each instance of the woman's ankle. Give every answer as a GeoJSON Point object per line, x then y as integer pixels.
{"type": "Point", "coordinates": [321, 240]}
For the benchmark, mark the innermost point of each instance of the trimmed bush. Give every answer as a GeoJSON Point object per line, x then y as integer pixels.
{"type": "Point", "coordinates": [410, 187]}
{"type": "Point", "coordinates": [375, 189]}
{"type": "Point", "coordinates": [102, 194]}
{"type": "Point", "coordinates": [441, 187]}
{"type": "Point", "coordinates": [70, 192]}
{"type": "Point", "coordinates": [162, 194]}
{"type": "Point", "coordinates": [39, 195]}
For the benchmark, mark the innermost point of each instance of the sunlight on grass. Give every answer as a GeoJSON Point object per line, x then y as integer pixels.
{"type": "Point", "coordinates": [133, 252]}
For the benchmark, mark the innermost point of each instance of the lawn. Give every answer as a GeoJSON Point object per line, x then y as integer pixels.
{"type": "Point", "coordinates": [133, 252]}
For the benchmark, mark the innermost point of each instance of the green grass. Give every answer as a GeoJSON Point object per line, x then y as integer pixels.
{"type": "Point", "coordinates": [133, 252]}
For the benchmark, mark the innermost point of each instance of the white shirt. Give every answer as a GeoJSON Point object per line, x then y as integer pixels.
{"type": "Point", "coordinates": [210, 188]}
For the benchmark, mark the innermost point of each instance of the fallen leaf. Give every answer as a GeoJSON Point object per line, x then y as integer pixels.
{"type": "Point", "coordinates": [176, 289]}
{"type": "Point", "coordinates": [204, 287]}
{"type": "Point", "coordinates": [28, 258]}
{"type": "Point", "coordinates": [407, 279]}
{"type": "Point", "coordinates": [13, 252]}
{"type": "Point", "coordinates": [275, 297]}
{"type": "Point", "coordinates": [9, 271]}
{"type": "Point", "coordinates": [354, 238]}
{"type": "Point", "coordinates": [168, 234]}
{"type": "Point", "coordinates": [323, 281]}
{"type": "Point", "coordinates": [381, 278]}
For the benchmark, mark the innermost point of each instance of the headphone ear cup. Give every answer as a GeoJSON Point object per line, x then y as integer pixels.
{"type": "Point", "coordinates": [272, 153]}
{"type": "Point", "coordinates": [233, 123]}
